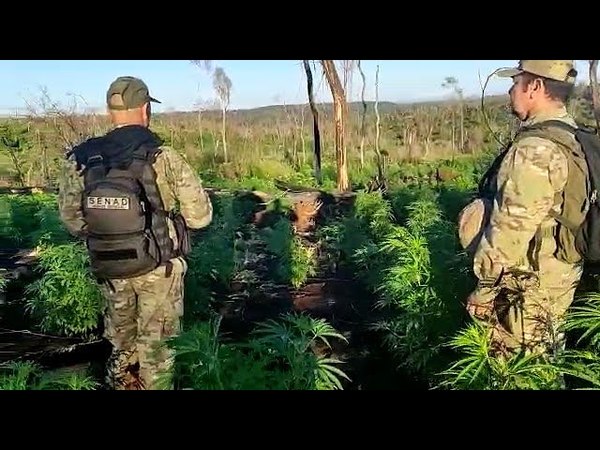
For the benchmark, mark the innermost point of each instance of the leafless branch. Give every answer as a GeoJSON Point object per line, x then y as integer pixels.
{"type": "Point", "coordinates": [483, 111]}
{"type": "Point", "coordinates": [594, 89]}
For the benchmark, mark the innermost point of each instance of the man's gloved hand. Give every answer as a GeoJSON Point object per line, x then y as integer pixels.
{"type": "Point", "coordinates": [480, 304]}
{"type": "Point", "coordinates": [481, 311]}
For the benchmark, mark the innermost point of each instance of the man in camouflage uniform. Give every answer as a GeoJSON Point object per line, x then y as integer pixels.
{"type": "Point", "coordinates": [524, 289]}
{"type": "Point", "coordinates": [141, 312]}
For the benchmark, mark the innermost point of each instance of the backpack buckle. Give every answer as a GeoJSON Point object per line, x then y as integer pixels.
{"type": "Point", "coordinates": [95, 160]}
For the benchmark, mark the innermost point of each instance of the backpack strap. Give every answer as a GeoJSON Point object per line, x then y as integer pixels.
{"type": "Point", "coordinates": [95, 169]}
{"type": "Point", "coordinates": [563, 144]}
{"type": "Point", "coordinates": [486, 187]}
{"type": "Point", "coordinates": [566, 137]}
{"type": "Point", "coordinates": [553, 123]}
{"type": "Point", "coordinates": [142, 159]}
{"type": "Point", "coordinates": [141, 168]}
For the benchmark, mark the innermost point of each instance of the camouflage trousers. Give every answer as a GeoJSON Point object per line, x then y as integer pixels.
{"type": "Point", "coordinates": [526, 313]}
{"type": "Point", "coordinates": [141, 313]}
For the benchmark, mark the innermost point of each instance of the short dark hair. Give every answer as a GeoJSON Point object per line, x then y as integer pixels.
{"type": "Point", "coordinates": [556, 90]}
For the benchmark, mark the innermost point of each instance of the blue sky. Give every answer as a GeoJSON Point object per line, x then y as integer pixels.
{"type": "Point", "coordinates": [180, 85]}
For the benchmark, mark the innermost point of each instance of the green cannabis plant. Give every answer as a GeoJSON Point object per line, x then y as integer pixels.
{"type": "Point", "coordinates": [479, 368]}
{"type": "Point", "coordinates": [295, 260]}
{"type": "Point", "coordinates": [66, 299]}
{"type": "Point", "coordinates": [26, 375]}
{"type": "Point", "coordinates": [214, 259]}
{"type": "Point", "coordinates": [279, 354]}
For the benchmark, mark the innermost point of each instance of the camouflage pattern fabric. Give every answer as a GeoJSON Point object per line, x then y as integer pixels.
{"type": "Point", "coordinates": [143, 311]}
{"type": "Point", "coordinates": [531, 175]}
{"type": "Point", "coordinates": [141, 314]}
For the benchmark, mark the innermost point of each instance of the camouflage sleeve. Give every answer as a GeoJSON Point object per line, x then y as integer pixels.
{"type": "Point", "coordinates": [185, 189]}
{"type": "Point", "coordinates": [70, 197]}
{"type": "Point", "coordinates": [528, 179]}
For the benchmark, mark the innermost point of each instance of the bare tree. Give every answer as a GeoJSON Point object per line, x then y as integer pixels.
{"type": "Point", "coordinates": [340, 114]}
{"type": "Point", "coordinates": [292, 118]}
{"type": "Point", "coordinates": [202, 106]}
{"type": "Point", "coordinates": [71, 127]}
{"type": "Point", "coordinates": [315, 114]}
{"type": "Point", "coordinates": [452, 83]}
{"type": "Point", "coordinates": [594, 89]}
{"type": "Point", "coordinates": [363, 116]}
{"type": "Point", "coordinates": [222, 86]}
{"type": "Point", "coordinates": [348, 70]}
{"type": "Point", "coordinates": [425, 121]}
{"type": "Point", "coordinates": [203, 64]}
{"type": "Point", "coordinates": [302, 111]}
{"type": "Point", "coordinates": [380, 173]}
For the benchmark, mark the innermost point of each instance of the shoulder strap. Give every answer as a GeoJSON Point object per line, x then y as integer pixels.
{"type": "Point", "coordinates": [553, 123]}
{"type": "Point", "coordinates": [486, 184]}
{"type": "Point", "coordinates": [138, 161]}
{"type": "Point", "coordinates": [141, 168]}
{"type": "Point", "coordinates": [568, 151]}
{"type": "Point", "coordinates": [541, 130]}
{"type": "Point", "coordinates": [95, 169]}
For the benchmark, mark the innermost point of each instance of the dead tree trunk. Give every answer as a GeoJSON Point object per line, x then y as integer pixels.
{"type": "Point", "coordinates": [302, 137]}
{"type": "Point", "coordinates": [315, 114]}
{"type": "Point", "coordinates": [595, 93]}
{"type": "Point", "coordinates": [363, 117]}
{"type": "Point", "coordinates": [340, 113]}
{"type": "Point", "coordinates": [462, 126]}
{"type": "Point", "coordinates": [224, 132]}
{"type": "Point", "coordinates": [200, 129]}
{"type": "Point", "coordinates": [380, 171]}
{"type": "Point", "coordinates": [44, 150]}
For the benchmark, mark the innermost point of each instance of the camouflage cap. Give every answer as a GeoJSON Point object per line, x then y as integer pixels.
{"type": "Point", "coordinates": [128, 93]}
{"type": "Point", "coordinates": [555, 69]}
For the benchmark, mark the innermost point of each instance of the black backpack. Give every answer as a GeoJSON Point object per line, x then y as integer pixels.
{"type": "Point", "coordinates": [127, 231]}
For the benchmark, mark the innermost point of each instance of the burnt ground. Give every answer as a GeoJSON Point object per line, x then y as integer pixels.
{"type": "Point", "coordinates": [335, 297]}
{"type": "Point", "coordinates": [347, 307]}
{"type": "Point", "coordinates": [340, 301]}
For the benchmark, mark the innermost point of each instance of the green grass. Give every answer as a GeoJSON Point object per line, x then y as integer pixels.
{"type": "Point", "coordinates": [21, 376]}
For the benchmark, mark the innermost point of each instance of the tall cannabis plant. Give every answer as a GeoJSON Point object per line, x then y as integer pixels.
{"type": "Point", "coordinates": [279, 354]}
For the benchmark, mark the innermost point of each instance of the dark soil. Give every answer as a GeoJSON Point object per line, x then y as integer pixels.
{"type": "Point", "coordinates": [341, 301]}
{"type": "Point", "coordinates": [337, 298]}
{"type": "Point", "coordinates": [347, 307]}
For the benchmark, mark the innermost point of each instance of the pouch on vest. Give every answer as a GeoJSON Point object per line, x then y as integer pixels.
{"type": "Point", "coordinates": [183, 234]}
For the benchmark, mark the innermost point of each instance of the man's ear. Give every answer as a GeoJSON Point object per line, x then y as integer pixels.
{"type": "Point", "coordinates": [536, 86]}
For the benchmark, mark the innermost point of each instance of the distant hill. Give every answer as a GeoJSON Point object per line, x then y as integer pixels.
{"type": "Point", "coordinates": [385, 107]}
{"type": "Point", "coordinates": [281, 109]}
{"type": "Point", "coordinates": [278, 111]}
{"type": "Point", "coordinates": [352, 105]}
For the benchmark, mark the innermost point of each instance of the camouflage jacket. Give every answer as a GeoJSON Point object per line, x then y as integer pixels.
{"type": "Point", "coordinates": [532, 173]}
{"type": "Point", "coordinates": [177, 183]}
